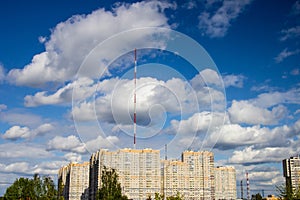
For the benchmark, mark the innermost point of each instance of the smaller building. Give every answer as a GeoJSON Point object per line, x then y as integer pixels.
{"type": "Point", "coordinates": [225, 182]}
{"type": "Point", "coordinates": [73, 181]}
{"type": "Point", "coordinates": [271, 197]}
{"type": "Point", "coordinates": [291, 172]}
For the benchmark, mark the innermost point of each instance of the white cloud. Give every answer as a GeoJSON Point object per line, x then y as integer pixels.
{"type": "Point", "coordinates": [74, 145]}
{"type": "Point", "coordinates": [113, 101]}
{"type": "Point", "coordinates": [20, 117]}
{"type": "Point", "coordinates": [270, 99]}
{"type": "Point", "coordinates": [231, 136]}
{"type": "Point", "coordinates": [18, 167]}
{"type": "Point", "coordinates": [101, 142]}
{"type": "Point", "coordinates": [3, 107]}
{"type": "Point", "coordinates": [199, 122]}
{"type": "Point", "coordinates": [297, 112]}
{"type": "Point", "coordinates": [72, 40]}
{"type": "Point", "coordinates": [47, 168]}
{"type": "Point", "coordinates": [70, 143]}
{"type": "Point", "coordinates": [73, 157]}
{"type": "Point", "coordinates": [85, 87]}
{"type": "Point", "coordinates": [2, 73]}
{"type": "Point", "coordinates": [285, 54]}
{"type": "Point", "coordinates": [250, 155]}
{"type": "Point", "coordinates": [216, 23]}
{"type": "Point", "coordinates": [249, 113]}
{"type": "Point", "coordinates": [233, 80]}
{"type": "Point", "coordinates": [290, 33]}
{"type": "Point", "coordinates": [20, 150]}
{"type": "Point", "coordinates": [17, 132]}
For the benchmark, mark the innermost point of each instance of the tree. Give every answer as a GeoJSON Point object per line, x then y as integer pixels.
{"type": "Point", "coordinates": [177, 197]}
{"type": "Point", "coordinates": [111, 188]}
{"type": "Point", "coordinates": [286, 192]}
{"type": "Point", "coordinates": [257, 196]}
{"type": "Point", "coordinates": [158, 196]}
{"type": "Point", "coordinates": [32, 189]}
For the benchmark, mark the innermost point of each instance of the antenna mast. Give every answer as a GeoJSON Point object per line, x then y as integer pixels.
{"type": "Point", "coordinates": [134, 102]}
{"type": "Point", "coordinates": [242, 190]}
{"type": "Point", "coordinates": [248, 186]}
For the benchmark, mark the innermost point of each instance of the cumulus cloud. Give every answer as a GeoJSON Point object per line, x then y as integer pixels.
{"type": "Point", "coordinates": [113, 101]}
{"type": "Point", "coordinates": [43, 168]}
{"type": "Point", "coordinates": [70, 143]}
{"type": "Point", "coordinates": [250, 155]}
{"type": "Point", "coordinates": [17, 132]}
{"type": "Point", "coordinates": [85, 87]}
{"type": "Point", "coordinates": [20, 117]}
{"type": "Point", "coordinates": [233, 80]}
{"type": "Point", "coordinates": [285, 54]}
{"type": "Point", "coordinates": [73, 157]}
{"type": "Point", "coordinates": [266, 109]}
{"type": "Point", "coordinates": [20, 150]}
{"type": "Point", "coordinates": [73, 144]}
{"type": "Point", "coordinates": [249, 113]}
{"type": "Point", "coordinates": [72, 40]}
{"type": "Point", "coordinates": [216, 23]}
{"type": "Point", "coordinates": [231, 136]}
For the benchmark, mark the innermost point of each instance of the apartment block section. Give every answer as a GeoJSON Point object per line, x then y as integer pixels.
{"type": "Point", "coordinates": [291, 172]}
{"type": "Point", "coordinates": [73, 181]}
{"type": "Point", "coordinates": [225, 183]}
{"type": "Point", "coordinates": [200, 172]}
{"type": "Point", "coordinates": [138, 171]}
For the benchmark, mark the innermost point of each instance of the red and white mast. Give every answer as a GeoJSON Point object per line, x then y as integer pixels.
{"type": "Point", "coordinates": [248, 186]}
{"type": "Point", "coordinates": [134, 102]}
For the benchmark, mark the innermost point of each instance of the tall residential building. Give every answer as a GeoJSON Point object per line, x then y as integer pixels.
{"type": "Point", "coordinates": [174, 178]}
{"type": "Point", "coordinates": [138, 171]}
{"type": "Point", "coordinates": [225, 183]}
{"type": "Point", "coordinates": [291, 172]}
{"type": "Point", "coordinates": [73, 181]}
{"type": "Point", "coordinates": [200, 174]}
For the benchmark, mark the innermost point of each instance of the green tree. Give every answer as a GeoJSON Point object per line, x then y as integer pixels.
{"type": "Point", "coordinates": [257, 197]}
{"type": "Point", "coordinates": [111, 188]}
{"type": "Point", "coordinates": [32, 189]}
{"type": "Point", "coordinates": [158, 196]}
{"type": "Point", "coordinates": [286, 192]}
{"type": "Point", "coordinates": [177, 197]}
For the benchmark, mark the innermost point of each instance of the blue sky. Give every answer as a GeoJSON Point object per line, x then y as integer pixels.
{"type": "Point", "coordinates": [228, 82]}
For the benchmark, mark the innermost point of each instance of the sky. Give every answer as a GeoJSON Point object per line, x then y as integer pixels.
{"type": "Point", "coordinates": [217, 75]}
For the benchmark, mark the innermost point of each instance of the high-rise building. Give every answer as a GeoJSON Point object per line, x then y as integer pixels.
{"type": "Point", "coordinates": [291, 172]}
{"type": "Point", "coordinates": [174, 178]}
{"type": "Point", "coordinates": [138, 171]}
{"type": "Point", "coordinates": [73, 181]}
{"type": "Point", "coordinates": [200, 172]}
{"type": "Point", "coordinates": [225, 183]}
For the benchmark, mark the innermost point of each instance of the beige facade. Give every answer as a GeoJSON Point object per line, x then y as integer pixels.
{"type": "Point", "coordinates": [174, 178]}
{"type": "Point", "coordinates": [73, 181]}
{"type": "Point", "coordinates": [291, 172]}
{"type": "Point", "coordinates": [200, 172]}
{"type": "Point", "coordinates": [225, 182]}
{"type": "Point", "coordinates": [138, 170]}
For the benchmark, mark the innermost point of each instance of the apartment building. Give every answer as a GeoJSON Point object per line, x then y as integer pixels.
{"type": "Point", "coordinates": [73, 181]}
{"type": "Point", "coordinates": [225, 183]}
{"type": "Point", "coordinates": [291, 172]}
{"type": "Point", "coordinates": [200, 173]}
{"type": "Point", "coordinates": [138, 171]}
